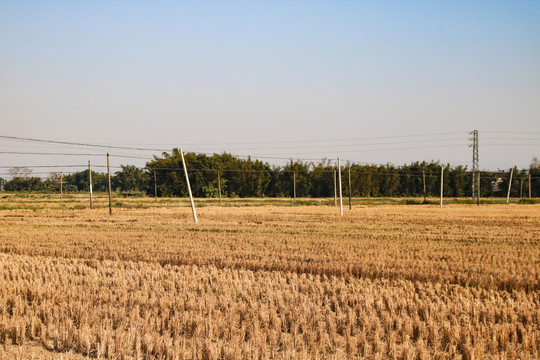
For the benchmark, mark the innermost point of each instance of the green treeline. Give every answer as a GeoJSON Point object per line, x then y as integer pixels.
{"type": "Point", "coordinates": [254, 178]}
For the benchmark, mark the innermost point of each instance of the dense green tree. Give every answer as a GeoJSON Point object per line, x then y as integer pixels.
{"type": "Point", "coordinates": [24, 184]}
{"type": "Point", "coordinates": [301, 171]}
{"type": "Point", "coordinates": [131, 178]}
{"type": "Point", "coordinates": [81, 181]}
{"type": "Point", "coordinates": [322, 179]}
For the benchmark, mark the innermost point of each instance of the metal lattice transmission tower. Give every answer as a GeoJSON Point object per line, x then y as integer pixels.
{"type": "Point", "coordinates": [475, 166]}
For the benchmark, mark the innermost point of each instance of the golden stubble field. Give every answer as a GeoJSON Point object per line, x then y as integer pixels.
{"type": "Point", "coordinates": [270, 281]}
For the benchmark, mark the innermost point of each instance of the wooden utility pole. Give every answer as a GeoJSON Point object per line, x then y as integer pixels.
{"type": "Point", "coordinates": [90, 183]}
{"type": "Point", "coordinates": [424, 179]}
{"type": "Point", "coordinates": [350, 195]}
{"type": "Point", "coordinates": [155, 186]}
{"type": "Point", "coordinates": [509, 186]}
{"type": "Point", "coordinates": [189, 187]}
{"type": "Point", "coordinates": [340, 192]}
{"type": "Point", "coordinates": [294, 186]}
{"type": "Point", "coordinates": [109, 187]}
{"type": "Point", "coordinates": [335, 189]}
{"type": "Point", "coordinates": [61, 186]}
{"type": "Point", "coordinates": [442, 184]}
{"type": "Point", "coordinates": [219, 186]}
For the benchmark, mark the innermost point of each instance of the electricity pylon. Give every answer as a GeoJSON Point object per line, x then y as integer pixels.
{"type": "Point", "coordinates": [475, 166]}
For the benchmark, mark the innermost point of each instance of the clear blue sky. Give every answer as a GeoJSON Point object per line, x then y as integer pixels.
{"type": "Point", "coordinates": [230, 72]}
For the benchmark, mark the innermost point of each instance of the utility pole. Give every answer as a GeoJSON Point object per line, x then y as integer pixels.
{"type": "Point", "coordinates": [424, 179]}
{"type": "Point", "coordinates": [521, 191]}
{"type": "Point", "coordinates": [530, 184]}
{"type": "Point", "coordinates": [442, 183]}
{"type": "Point", "coordinates": [109, 187]}
{"type": "Point", "coordinates": [475, 165]}
{"type": "Point", "coordinates": [219, 186]}
{"type": "Point", "coordinates": [294, 186]}
{"type": "Point", "coordinates": [90, 182]}
{"type": "Point", "coordinates": [478, 197]}
{"type": "Point", "coordinates": [335, 189]}
{"type": "Point", "coordinates": [509, 186]}
{"type": "Point", "coordinates": [155, 186]}
{"type": "Point", "coordinates": [189, 187]}
{"type": "Point", "coordinates": [340, 192]}
{"type": "Point", "coordinates": [61, 186]}
{"type": "Point", "coordinates": [350, 196]}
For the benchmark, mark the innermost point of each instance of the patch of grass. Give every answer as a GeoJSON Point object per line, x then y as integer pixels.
{"type": "Point", "coordinates": [3, 207]}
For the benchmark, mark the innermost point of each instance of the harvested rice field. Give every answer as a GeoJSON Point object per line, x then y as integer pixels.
{"type": "Point", "coordinates": [263, 280]}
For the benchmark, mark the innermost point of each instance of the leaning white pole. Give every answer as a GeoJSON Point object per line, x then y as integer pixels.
{"type": "Point", "coordinates": [340, 192]}
{"type": "Point", "coordinates": [442, 183]}
{"type": "Point", "coordinates": [509, 186]}
{"type": "Point", "coordinates": [188, 187]}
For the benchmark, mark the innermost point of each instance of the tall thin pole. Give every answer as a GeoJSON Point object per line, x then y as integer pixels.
{"type": "Point", "coordinates": [90, 182]}
{"type": "Point", "coordinates": [509, 186]}
{"type": "Point", "coordinates": [219, 186]}
{"type": "Point", "coordinates": [61, 186]}
{"type": "Point", "coordinates": [442, 184]}
{"type": "Point", "coordinates": [521, 191]}
{"type": "Point", "coordinates": [155, 186]}
{"type": "Point", "coordinates": [340, 192]}
{"type": "Point", "coordinates": [350, 196]}
{"type": "Point", "coordinates": [530, 185]}
{"type": "Point", "coordinates": [189, 187]}
{"type": "Point", "coordinates": [424, 179]}
{"type": "Point", "coordinates": [335, 189]}
{"type": "Point", "coordinates": [294, 186]}
{"type": "Point", "coordinates": [478, 190]}
{"type": "Point", "coordinates": [109, 187]}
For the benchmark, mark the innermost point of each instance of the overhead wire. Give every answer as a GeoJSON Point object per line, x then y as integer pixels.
{"type": "Point", "coordinates": [76, 143]}
{"type": "Point", "coordinates": [319, 140]}
{"type": "Point", "coordinates": [71, 154]}
{"type": "Point", "coordinates": [264, 156]}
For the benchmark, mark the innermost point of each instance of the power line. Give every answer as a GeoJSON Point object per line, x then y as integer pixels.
{"type": "Point", "coordinates": [70, 154]}
{"type": "Point", "coordinates": [509, 138]}
{"type": "Point", "coordinates": [40, 166]}
{"type": "Point", "coordinates": [320, 140]}
{"type": "Point", "coordinates": [368, 150]}
{"type": "Point", "coordinates": [345, 145]}
{"type": "Point", "coordinates": [45, 153]}
{"type": "Point", "coordinates": [77, 144]}
{"type": "Point", "coordinates": [499, 144]}
{"type": "Point", "coordinates": [271, 156]}
{"type": "Point", "coordinates": [510, 132]}
{"type": "Point", "coordinates": [237, 143]}
{"type": "Point", "coordinates": [53, 166]}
